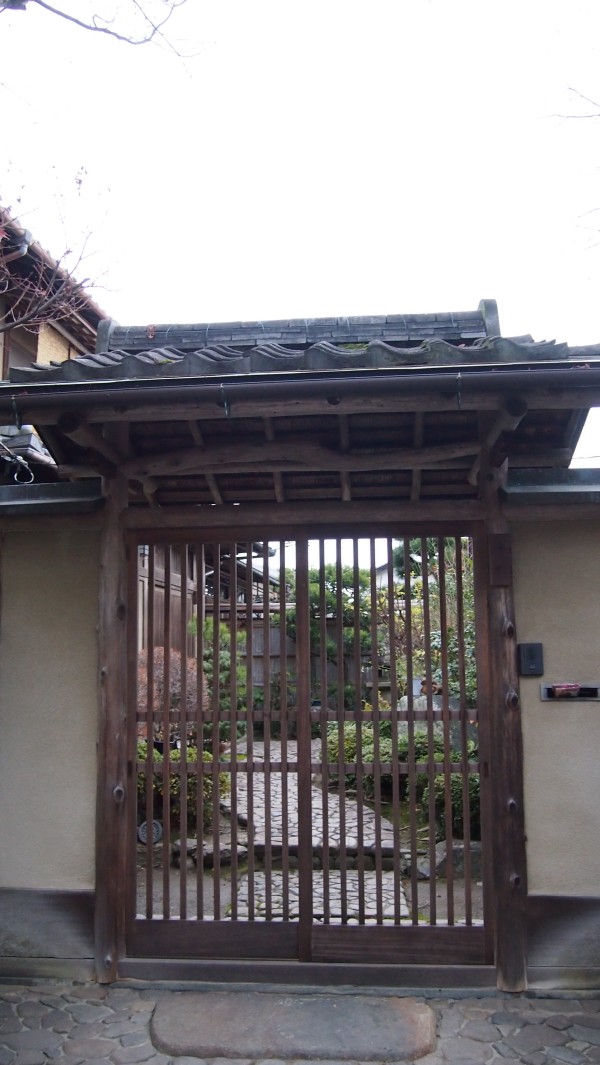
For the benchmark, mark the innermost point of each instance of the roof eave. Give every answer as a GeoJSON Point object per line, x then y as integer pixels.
{"type": "Point", "coordinates": [295, 385]}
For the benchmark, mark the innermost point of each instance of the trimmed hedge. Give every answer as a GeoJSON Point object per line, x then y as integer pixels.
{"type": "Point", "coordinates": [175, 787]}
{"type": "Point", "coordinates": [421, 754]}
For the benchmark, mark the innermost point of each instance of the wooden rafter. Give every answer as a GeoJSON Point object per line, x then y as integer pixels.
{"type": "Point", "coordinates": [277, 477]}
{"type": "Point", "coordinates": [345, 447]}
{"type": "Point", "coordinates": [211, 480]}
{"type": "Point", "coordinates": [415, 488]}
{"type": "Point", "coordinates": [92, 438]}
{"type": "Point", "coordinates": [507, 420]}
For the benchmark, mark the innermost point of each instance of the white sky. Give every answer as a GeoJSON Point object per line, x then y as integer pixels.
{"type": "Point", "coordinates": [317, 157]}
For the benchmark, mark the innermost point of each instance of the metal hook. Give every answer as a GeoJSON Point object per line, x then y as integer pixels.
{"type": "Point", "coordinates": [20, 466]}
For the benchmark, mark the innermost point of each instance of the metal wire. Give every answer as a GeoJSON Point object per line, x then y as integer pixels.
{"type": "Point", "coordinates": [20, 464]}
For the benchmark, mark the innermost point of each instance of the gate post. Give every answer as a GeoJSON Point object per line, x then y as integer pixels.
{"type": "Point", "coordinates": [508, 820]}
{"type": "Point", "coordinates": [111, 800]}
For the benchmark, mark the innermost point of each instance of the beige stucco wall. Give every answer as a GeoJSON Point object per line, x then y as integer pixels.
{"type": "Point", "coordinates": [557, 602]}
{"type": "Point", "coordinates": [51, 345]}
{"type": "Point", "coordinates": [48, 708]}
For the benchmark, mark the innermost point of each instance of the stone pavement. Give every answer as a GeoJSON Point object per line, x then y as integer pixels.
{"type": "Point", "coordinates": [387, 887]}
{"type": "Point", "coordinates": [333, 821]}
{"type": "Point", "coordinates": [343, 820]}
{"type": "Point", "coordinates": [75, 1024]}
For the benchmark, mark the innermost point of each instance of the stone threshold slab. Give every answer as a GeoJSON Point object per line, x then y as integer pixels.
{"type": "Point", "coordinates": [255, 1024]}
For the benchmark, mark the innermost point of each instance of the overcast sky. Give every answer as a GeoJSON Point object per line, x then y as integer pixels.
{"type": "Point", "coordinates": [317, 157]}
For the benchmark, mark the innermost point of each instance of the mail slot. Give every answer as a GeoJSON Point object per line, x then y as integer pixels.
{"type": "Point", "coordinates": [568, 692]}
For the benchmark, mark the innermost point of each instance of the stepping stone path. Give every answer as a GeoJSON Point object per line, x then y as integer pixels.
{"type": "Point", "coordinates": [341, 824]}
{"type": "Point", "coordinates": [325, 805]}
{"type": "Point", "coordinates": [334, 881]}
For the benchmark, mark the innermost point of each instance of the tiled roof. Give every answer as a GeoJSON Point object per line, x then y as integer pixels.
{"type": "Point", "coordinates": [220, 359]}
{"type": "Point", "coordinates": [406, 329]}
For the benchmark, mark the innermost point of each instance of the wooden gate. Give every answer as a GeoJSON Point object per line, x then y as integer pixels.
{"type": "Point", "coordinates": [309, 739]}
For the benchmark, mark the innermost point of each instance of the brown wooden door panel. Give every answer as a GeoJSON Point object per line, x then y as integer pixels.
{"type": "Point", "coordinates": [212, 939]}
{"type": "Point", "coordinates": [399, 946]}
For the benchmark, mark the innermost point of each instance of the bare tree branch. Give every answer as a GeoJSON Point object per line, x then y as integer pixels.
{"type": "Point", "coordinates": [34, 288]}
{"type": "Point", "coordinates": [100, 25]}
{"type": "Point", "coordinates": [588, 100]}
{"type": "Point", "coordinates": [37, 299]}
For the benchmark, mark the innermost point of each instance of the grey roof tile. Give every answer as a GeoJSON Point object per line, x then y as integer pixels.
{"type": "Point", "coordinates": [219, 359]}
{"type": "Point", "coordinates": [301, 331]}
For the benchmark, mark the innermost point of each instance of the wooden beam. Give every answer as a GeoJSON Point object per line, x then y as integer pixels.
{"type": "Point", "coordinates": [174, 481]}
{"type": "Point", "coordinates": [67, 472]}
{"type": "Point", "coordinates": [89, 436]}
{"type": "Point", "coordinates": [511, 415]}
{"type": "Point", "coordinates": [552, 457]}
{"type": "Point", "coordinates": [282, 455]}
{"type": "Point", "coordinates": [51, 522]}
{"type": "Point", "coordinates": [54, 444]}
{"type": "Point", "coordinates": [120, 410]}
{"type": "Point", "coordinates": [111, 808]}
{"type": "Point", "coordinates": [542, 512]}
{"type": "Point", "coordinates": [92, 438]}
{"type": "Point", "coordinates": [327, 513]}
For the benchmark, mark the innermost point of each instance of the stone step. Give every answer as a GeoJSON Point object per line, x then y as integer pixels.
{"type": "Point", "coordinates": [299, 1027]}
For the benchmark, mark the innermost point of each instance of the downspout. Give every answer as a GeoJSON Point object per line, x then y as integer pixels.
{"type": "Point", "coordinates": [25, 239]}
{"type": "Point", "coordinates": [19, 252]}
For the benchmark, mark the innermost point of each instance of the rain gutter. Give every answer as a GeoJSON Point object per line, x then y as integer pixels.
{"type": "Point", "coordinates": [227, 389]}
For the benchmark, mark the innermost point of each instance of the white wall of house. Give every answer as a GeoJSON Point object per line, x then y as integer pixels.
{"type": "Point", "coordinates": [557, 602]}
{"type": "Point", "coordinates": [48, 708]}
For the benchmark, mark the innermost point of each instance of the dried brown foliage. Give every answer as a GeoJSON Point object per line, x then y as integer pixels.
{"type": "Point", "coordinates": [178, 693]}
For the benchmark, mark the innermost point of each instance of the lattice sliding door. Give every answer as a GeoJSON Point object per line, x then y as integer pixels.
{"type": "Point", "coordinates": [306, 750]}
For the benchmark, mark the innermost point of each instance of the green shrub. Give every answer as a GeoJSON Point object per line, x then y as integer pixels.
{"type": "Point", "coordinates": [420, 748]}
{"type": "Point", "coordinates": [229, 658]}
{"type": "Point", "coordinates": [175, 787]}
{"type": "Point", "coordinates": [421, 754]}
{"type": "Point", "coordinates": [457, 806]}
{"type": "Point", "coordinates": [385, 755]}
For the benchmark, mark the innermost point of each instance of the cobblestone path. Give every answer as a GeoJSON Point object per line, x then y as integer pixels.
{"type": "Point", "coordinates": [339, 823]}
{"type": "Point", "coordinates": [91, 1025]}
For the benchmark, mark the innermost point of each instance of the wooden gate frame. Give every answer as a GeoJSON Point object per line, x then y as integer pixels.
{"type": "Point", "coordinates": [497, 671]}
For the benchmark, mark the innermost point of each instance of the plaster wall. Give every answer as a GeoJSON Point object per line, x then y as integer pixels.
{"type": "Point", "coordinates": [52, 345]}
{"type": "Point", "coordinates": [48, 708]}
{"type": "Point", "coordinates": [557, 603]}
